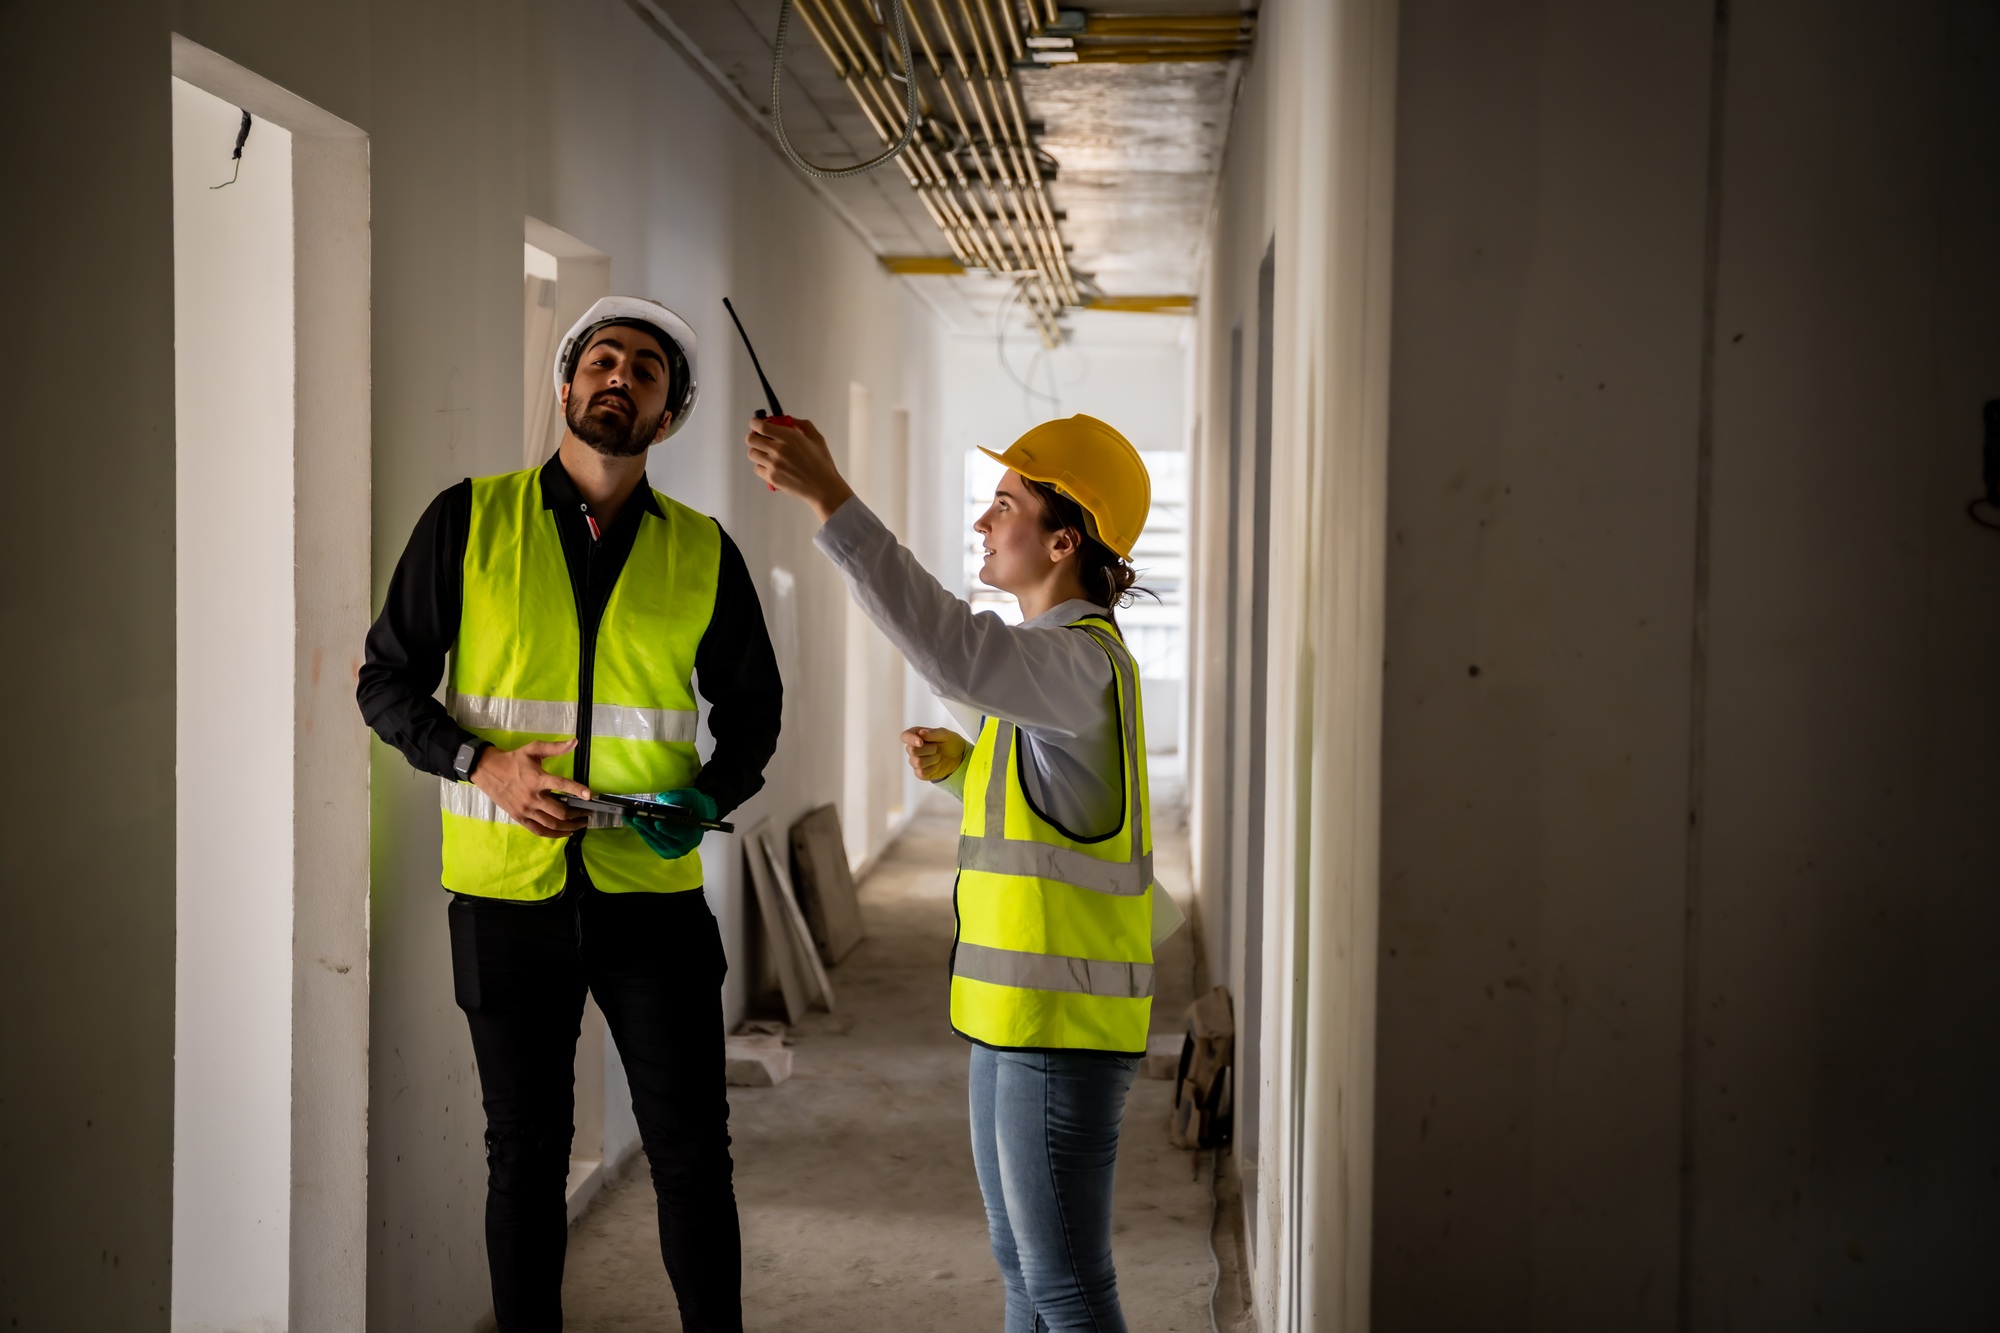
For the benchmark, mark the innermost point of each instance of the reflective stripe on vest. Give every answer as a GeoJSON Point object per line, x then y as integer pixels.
{"type": "Point", "coordinates": [1005, 856]}
{"type": "Point", "coordinates": [468, 802]}
{"type": "Point", "coordinates": [559, 715]}
{"type": "Point", "coordinates": [1054, 947]}
{"type": "Point", "coordinates": [1043, 971]}
{"type": "Point", "coordinates": [515, 678]}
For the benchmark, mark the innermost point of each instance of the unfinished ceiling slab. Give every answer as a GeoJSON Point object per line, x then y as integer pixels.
{"type": "Point", "coordinates": [1065, 159]}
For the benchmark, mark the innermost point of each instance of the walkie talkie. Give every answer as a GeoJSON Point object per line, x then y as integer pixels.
{"type": "Point", "coordinates": [776, 415]}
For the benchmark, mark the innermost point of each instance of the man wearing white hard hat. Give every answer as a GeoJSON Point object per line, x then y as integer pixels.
{"type": "Point", "coordinates": [578, 607]}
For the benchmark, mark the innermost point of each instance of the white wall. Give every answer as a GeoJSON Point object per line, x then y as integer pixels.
{"type": "Point", "coordinates": [233, 382]}
{"type": "Point", "coordinates": [1129, 370]}
{"type": "Point", "coordinates": [875, 800]}
{"type": "Point", "coordinates": [1308, 164]}
{"type": "Point", "coordinates": [273, 377]}
{"type": "Point", "coordinates": [1542, 494]}
{"type": "Point", "coordinates": [1686, 1017]}
{"type": "Point", "coordinates": [1846, 1035]}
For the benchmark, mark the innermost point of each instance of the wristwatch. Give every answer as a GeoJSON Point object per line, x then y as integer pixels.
{"type": "Point", "coordinates": [468, 758]}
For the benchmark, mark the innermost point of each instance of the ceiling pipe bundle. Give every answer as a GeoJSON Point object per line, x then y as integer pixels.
{"type": "Point", "coordinates": [1002, 221]}
{"type": "Point", "coordinates": [997, 217]}
{"type": "Point", "coordinates": [851, 72]}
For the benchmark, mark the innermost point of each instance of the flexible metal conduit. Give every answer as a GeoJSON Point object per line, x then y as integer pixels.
{"type": "Point", "coordinates": [778, 94]}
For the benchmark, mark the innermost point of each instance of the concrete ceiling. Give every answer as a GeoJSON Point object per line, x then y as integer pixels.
{"type": "Point", "coordinates": [1137, 149]}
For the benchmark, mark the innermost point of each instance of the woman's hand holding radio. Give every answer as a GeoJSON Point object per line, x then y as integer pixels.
{"type": "Point", "coordinates": [797, 461]}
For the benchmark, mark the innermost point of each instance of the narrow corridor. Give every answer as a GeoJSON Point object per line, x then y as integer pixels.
{"type": "Point", "coordinates": [860, 1210]}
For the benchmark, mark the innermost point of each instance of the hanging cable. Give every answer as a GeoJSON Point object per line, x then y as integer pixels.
{"type": "Point", "coordinates": [242, 137]}
{"type": "Point", "coordinates": [909, 77]}
{"type": "Point", "coordinates": [1028, 391]}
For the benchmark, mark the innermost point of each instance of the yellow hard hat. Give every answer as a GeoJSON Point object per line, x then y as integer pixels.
{"type": "Point", "coordinates": [1093, 465]}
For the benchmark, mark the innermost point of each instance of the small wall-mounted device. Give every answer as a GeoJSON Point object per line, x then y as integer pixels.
{"type": "Point", "coordinates": [1993, 451]}
{"type": "Point", "coordinates": [1985, 509]}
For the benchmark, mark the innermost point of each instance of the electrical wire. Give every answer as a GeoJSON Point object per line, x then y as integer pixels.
{"type": "Point", "coordinates": [242, 137]}
{"type": "Point", "coordinates": [1044, 362]}
{"type": "Point", "coordinates": [1972, 508]}
{"type": "Point", "coordinates": [1000, 346]}
{"type": "Point", "coordinates": [777, 96]}
{"type": "Point", "coordinates": [1027, 396]}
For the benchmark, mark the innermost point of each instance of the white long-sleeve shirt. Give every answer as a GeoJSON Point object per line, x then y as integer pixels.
{"type": "Point", "coordinates": [1055, 684]}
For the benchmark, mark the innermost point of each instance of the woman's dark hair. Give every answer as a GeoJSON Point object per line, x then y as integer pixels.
{"type": "Point", "coordinates": [1108, 577]}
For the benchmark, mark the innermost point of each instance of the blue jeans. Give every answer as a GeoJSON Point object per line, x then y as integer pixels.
{"type": "Point", "coordinates": [1045, 1142]}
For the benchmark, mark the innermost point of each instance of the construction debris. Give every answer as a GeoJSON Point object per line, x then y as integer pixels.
{"type": "Point", "coordinates": [1202, 1102]}
{"type": "Point", "coordinates": [779, 968]}
{"type": "Point", "coordinates": [826, 884]}
{"type": "Point", "coordinates": [801, 934]}
{"type": "Point", "coordinates": [788, 962]}
{"type": "Point", "coordinates": [756, 1060]}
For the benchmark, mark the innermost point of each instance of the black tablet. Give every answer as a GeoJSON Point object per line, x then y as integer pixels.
{"type": "Point", "coordinates": [607, 803]}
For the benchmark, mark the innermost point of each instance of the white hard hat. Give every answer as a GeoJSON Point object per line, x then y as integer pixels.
{"type": "Point", "coordinates": [670, 328]}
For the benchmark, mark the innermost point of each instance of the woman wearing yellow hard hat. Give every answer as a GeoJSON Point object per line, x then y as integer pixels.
{"type": "Point", "coordinates": [1052, 968]}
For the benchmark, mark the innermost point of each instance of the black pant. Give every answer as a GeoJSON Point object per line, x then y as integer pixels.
{"type": "Point", "coordinates": [655, 963]}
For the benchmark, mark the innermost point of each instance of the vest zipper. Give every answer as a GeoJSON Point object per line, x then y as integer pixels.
{"type": "Point", "coordinates": [586, 667]}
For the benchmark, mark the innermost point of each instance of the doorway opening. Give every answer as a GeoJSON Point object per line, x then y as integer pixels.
{"type": "Point", "coordinates": [271, 512]}
{"type": "Point", "coordinates": [561, 277]}
{"type": "Point", "coordinates": [874, 803]}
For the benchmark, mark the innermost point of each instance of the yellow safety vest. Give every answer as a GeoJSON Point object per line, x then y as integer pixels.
{"type": "Point", "coordinates": [1055, 944]}
{"type": "Point", "coordinates": [515, 678]}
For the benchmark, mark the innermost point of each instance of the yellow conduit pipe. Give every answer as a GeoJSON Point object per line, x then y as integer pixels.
{"type": "Point", "coordinates": [964, 244]}
{"type": "Point", "coordinates": [988, 197]}
{"type": "Point", "coordinates": [1059, 260]}
{"type": "Point", "coordinates": [1025, 239]}
{"type": "Point", "coordinates": [995, 71]}
{"type": "Point", "coordinates": [1010, 197]}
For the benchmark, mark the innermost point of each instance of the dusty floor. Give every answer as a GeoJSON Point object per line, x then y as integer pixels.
{"type": "Point", "coordinates": [859, 1206]}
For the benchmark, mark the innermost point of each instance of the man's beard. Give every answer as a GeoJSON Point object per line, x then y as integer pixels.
{"type": "Point", "coordinates": [607, 433]}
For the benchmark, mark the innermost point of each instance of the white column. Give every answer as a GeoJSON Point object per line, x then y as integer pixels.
{"type": "Point", "coordinates": [233, 387]}
{"type": "Point", "coordinates": [271, 288]}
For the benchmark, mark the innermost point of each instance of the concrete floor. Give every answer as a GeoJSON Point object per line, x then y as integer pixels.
{"type": "Point", "coordinates": [859, 1205]}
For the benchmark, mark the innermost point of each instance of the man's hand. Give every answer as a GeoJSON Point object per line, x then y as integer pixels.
{"type": "Point", "coordinates": [518, 784]}
{"type": "Point", "coordinates": [935, 752]}
{"type": "Point", "coordinates": [798, 463]}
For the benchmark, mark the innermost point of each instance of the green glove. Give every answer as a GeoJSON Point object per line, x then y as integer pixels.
{"type": "Point", "coordinates": [673, 840]}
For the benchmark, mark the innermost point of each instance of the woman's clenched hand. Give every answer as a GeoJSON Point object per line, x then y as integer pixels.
{"type": "Point", "coordinates": [934, 752]}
